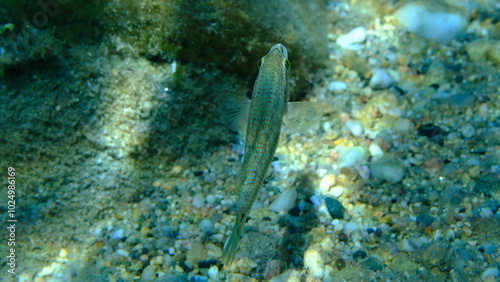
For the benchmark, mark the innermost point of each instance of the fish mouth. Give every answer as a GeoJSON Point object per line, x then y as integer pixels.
{"type": "Point", "coordinates": [281, 48]}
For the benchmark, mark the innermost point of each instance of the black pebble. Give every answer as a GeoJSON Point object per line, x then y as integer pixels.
{"type": "Point", "coordinates": [334, 207]}
{"type": "Point", "coordinates": [340, 264]}
{"type": "Point", "coordinates": [359, 254]}
{"type": "Point", "coordinates": [207, 263]}
{"type": "Point", "coordinates": [433, 132]}
{"type": "Point", "coordinates": [372, 264]}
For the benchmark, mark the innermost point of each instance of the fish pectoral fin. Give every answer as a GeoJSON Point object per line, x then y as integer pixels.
{"type": "Point", "coordinates": [234, 111]}
{"type": "Point", "coordinates": [302, 116]}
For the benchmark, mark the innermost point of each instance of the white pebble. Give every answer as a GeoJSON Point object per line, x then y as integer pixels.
{"type": "Point", "coordinates": [205, 225]}
{"type": "Point", "coordinates": [352, 39]}
{"type": "Point", "coordinates": [198, 201]}
{"type": "Point", "coordinates": [118, 234]}
{"type": "Point", "coordinates": [492, 271]}
{"type": "Point", "coordinates": [380, 79]}
{"type": "Point", "coordinates": [337, 86]}
{"type": "Point", "coordinates": [336, 191]}
{"type": "Point", "coordinates": [314, 263]}
{"type": "Point", "coordinates": [285, 201]}
{"type": "Point", "coordinates": [425, 20]}
{"type": "Point", "coordinates": [351, 156]}
{"type": "Point", "coordinates": [376, 151]}
{"type": "Point", "coordinates": [468, 130]}
{"type": "Point", "coordinates": [122, 253]}
{"type": "Point", "coordinates": [213, 273]}
{"type": "Point", "coordinates": [326, 182]}
{"type": "Point", "coordinates": [354, 127]}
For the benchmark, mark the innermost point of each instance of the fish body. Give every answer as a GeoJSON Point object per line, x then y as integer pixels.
{"type": "Point", "coordinates": [263, 127]}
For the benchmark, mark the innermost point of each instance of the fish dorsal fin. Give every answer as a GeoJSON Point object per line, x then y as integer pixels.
{"type": "Point", "coordinates": [302, 116]}
{"type": "Point", "coordinates": [234, 112]}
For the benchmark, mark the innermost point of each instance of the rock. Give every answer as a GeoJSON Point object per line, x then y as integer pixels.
{"type": "Point", "coordinates": [402, 263]}
{"type": "Point", "coordinates": [372, 264]}
{"type": "Point", "coordinates": [285, 201]}
{"type": "Point", "coordinates": [337, 86]}
{"type": "Point", "coordinates": [352, 39]}
{"type": "Point", "coordinates": [467, 130]}
{"type": "Point", "coordinates": [205, 225]}
{"type": "Point", "coordinates": [435, 255]}
{"type": "Point", "coordinates": [433, 132]}
{"type": "Point", "coordinates": [350, 156]}
{"type": "Point", "coordinates": [314, 263]}
{"type": "Point", "coordinates": [376, 151]}
{"type": "Point", "coordinates": [483, 50]}
{"type": "Point", "coordinates": [359, 254]}
{"type": "Point", "coordinates": [196, 252]}
{"type": "Point", "coordinates": [388, 168]}
{"type": "Point", "coordinates": [380, 79]}
{"type": "Point", "coordinates": [213, 273]}
{"type": "Point", "coordinates": [434, 20]}
{"type": "Point", "coordinates": [354, 127]}
{"type": "Point", "coordinates": [198, 201]}
{"type": "Point", "coordinates": [490, 272]}
{"type": "Point", "coordinates": [149, 273]}
{"type": "Point", "coordinates": [326, 182]}
{"type": "Point", "coordinates": [335, 208]}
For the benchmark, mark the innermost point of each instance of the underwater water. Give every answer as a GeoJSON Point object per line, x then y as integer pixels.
{"type": "Point", "coordinates": [118, 165]}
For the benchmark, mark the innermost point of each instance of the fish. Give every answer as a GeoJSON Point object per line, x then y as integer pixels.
{"type": "Point", "coordinates": [260, 120]}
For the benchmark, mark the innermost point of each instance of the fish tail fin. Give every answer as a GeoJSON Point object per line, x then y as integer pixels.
{"type": "Point", "coordinates": [233, 241]}
{"type": "Point", "coordinates": [230, 248]}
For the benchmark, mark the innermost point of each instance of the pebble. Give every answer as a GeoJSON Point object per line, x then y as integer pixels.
{"type": "Point", "coordinates": [336, 191]}
{"type": "Point", "coordinates": [350, 156]}
{"type": "Point", "coordinates": [205, 225]}
{"type": "Point", "coordinates": [149, 273]}
{"type": "Point", "coordinates": [482, 50]}
{"type": "Point", "coordinates": [388, 168]}
{"type": "Point", "coordinates": [285, 201]}
{"type": "Point", "coordinates": [354, 127]}
{"type": "Point", "coordinates": [337, 86]}
{"type": "Point", "coordinates": [326, 182]}
{"type": "Point", "coordinates": [314, 263]}
{"type": "Point", "coordinates": [468, 131]}
{"type": "Point", "coordinates": [492, 271]}
{"type": "Point", "coordinates": [196, 252]}
{"type": "Point", "coordinates": [380, 79]}
{"type": "Point", "coordinates": [334, 207]}
{"type": "Point", "coordinates": [352, 39]}
{"type": "Point", "coordinates": [118, 234]}
{"type": "Point", "coordinates": [432, 20]}
{"type": "Point", "coordinates": [122, 253]}
{"type": "Point", "coordinates": [375, 151]}
{"type": "Point", "coordinates": [359, 254]}
{"type": "Point", "coordinates": [213, 273]}
{"type": "Point", "coordinates": [372, 264]}
{"type": "Point", "coordinates": [403, 125]}
{"type": "Point", "coordinates": [198, 201]}
{"type": "Point", "coordinates": [435, 254]}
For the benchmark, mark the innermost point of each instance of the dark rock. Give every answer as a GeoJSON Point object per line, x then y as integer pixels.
{"type": "Point", "coordinates": [425, 219]}
{"type": "Point", "coordinates": [207, 263]}
{"type": "Point", "coordinates": [359, 254]}
{"type": "Point", "coordinates": [372, 264]}
{"type": "Point", "coordinates": [433, 132]}
{"type": "Point", "coordinates": [335, 208]}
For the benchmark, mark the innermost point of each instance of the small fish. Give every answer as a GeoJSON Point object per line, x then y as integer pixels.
{"type": "Point", "coordinates": [261, 119]}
